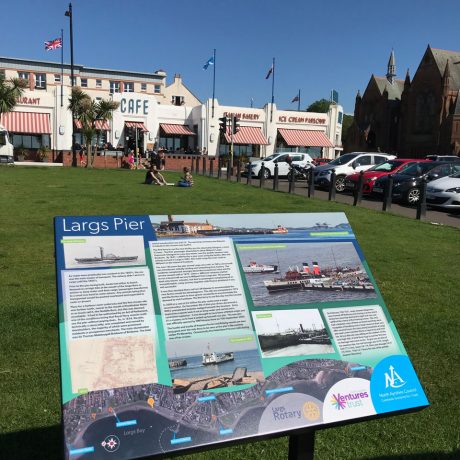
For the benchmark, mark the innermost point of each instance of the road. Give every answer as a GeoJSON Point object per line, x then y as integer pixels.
{"type": "Point", "coordinates": [435, 216]}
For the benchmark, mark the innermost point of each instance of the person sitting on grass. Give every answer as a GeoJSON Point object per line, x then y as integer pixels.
{"type": "Point", "coordinates": [154, 177]}
{"type": "Point", "coordinates": [187, 180]}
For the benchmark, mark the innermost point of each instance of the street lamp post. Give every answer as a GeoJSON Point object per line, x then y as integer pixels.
{"type": "Point", "coordinates": [68, 13]}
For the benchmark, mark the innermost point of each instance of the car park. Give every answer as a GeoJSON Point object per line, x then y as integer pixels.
{"type": "Point", "coordinates": [444, 192]}
{"type": "Point", "coordinates": [383, 169]}
{"type": "Point", "coordinates": [301, 159]}
{"type": "Point", "coordinates": [347, 164]}
{"type": "Point", "coordinates": [406, 184]}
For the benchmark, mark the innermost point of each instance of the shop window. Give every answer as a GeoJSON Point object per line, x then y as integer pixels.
{"type": "Point", "coordinates": [143, 87]}
{"type": "Point", "coordinates": [57, 78]}
{"type": "Point", "coordinates": [84, 83]}
{"type": "Point", "coordinates": [157, 89]}
{"type": "Point", "coordinates": [114, 87]}
{"type": "Point", "coordinates": [31, 142]}
{"type": "Point", "coordinates": [23, 75]}
{"type": "Point", "coordinates": [129, 87]}
{"type": "Point", "coordinates": [98, 83]}
{"type": "Point", "coordinates": [40, 81]}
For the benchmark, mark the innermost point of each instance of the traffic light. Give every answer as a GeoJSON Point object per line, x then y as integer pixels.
{"type": "Point", "coordinates": [236, 125]}
{"type": "Point", "coordinates": [223, 124]}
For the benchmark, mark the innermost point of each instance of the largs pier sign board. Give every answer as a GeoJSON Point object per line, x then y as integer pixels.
{"type": "Point", "coordinates": [181, 332]}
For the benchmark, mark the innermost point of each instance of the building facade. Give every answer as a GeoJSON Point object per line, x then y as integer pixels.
{"type": "Point", "coordinates": [152, 114]}
{"type": "Point", "coordinates": [411, 118]}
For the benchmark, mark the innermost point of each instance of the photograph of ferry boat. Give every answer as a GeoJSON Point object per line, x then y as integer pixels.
{"type": "Point", "coordinates": [306, 272]}
{"type": "Point", "coordinates": [103, 251]}
{"type": "Point", "coordinates": [291, 333]}
{"type": "Point", "coordinates": [215, 362]}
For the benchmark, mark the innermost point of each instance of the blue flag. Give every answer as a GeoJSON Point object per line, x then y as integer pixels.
{"type": "Point", "coordinates": [334, 96]}
{"type": "Point", "coordinates": [209, 62]}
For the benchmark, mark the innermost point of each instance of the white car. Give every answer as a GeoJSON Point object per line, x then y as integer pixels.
{"type": "Point", "coordinates": [444, 192]}
{"type": "Point", "coordinates": [348, 164]}
{"type": "Point", "coordinates": [301, 159]}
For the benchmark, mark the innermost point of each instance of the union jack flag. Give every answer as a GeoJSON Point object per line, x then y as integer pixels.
{"type": "Point", "coordinates": [53, 44]}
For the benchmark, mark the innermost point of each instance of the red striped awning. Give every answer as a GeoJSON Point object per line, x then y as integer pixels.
{"type": "Point", "coordinates": [181, 130]}
{"type": "Point", "coordinates": [136, 124]}
{"type": "Point", "coordinates": [100, 124]}
{"type": "Point", "coordinates": [26, 122]}
{"type": "Point", "coordinates": [304, 138]}
{"type": "Point", "coordinates": [247, 135]}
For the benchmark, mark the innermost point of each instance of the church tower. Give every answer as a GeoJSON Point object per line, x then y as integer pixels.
{"type": "Point", "coordinates": [391, 71]}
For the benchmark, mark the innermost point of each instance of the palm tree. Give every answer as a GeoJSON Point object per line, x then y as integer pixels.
{"type": "Point", "coordinates": [10, 90]}
{"type": "Point", "coordinates": [90, 113]}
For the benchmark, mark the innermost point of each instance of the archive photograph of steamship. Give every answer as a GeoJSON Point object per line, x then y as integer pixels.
{"type": "Point", "coordinates": [305, 273]}
{"type": "Point", "coordinates": [291, 333]}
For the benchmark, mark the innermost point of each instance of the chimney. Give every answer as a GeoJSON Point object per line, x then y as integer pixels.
{"type": "Point", "coordinates": [306, 268]}
{"type": "Point", "coordinates": [316, 269]}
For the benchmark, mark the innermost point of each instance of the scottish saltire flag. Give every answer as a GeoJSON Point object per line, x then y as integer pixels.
{"type": "Point", "coordinates": [269, 73]}
{"type": "Point", "coordinates": [53, 44]}
{"type": "Point", "coordinates": [209, 62]}
{"type": "Point", "coordinates": [334, 96]}
{"type": "Point", "coordinates": [296, 99]}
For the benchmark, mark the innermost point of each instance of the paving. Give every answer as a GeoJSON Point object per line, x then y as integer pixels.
{"type": "Point", "coordinates": [439, 217]}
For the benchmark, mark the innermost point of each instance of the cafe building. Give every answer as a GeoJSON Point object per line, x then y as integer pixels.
{"type": "Point", "coordinates": [153, 114]}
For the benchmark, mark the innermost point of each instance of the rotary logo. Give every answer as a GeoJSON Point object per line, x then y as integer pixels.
{"type": "Point", "coordinates": [311, 411]}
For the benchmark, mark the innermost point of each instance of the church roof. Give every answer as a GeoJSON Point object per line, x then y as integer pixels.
{"type": "Point", "coordinates": [394, 90]}
{"type": "Point", "coordinates": [441, 57]}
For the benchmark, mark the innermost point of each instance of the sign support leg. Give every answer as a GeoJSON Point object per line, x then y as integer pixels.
{"type": "Point", "coordinates": [302, 446]}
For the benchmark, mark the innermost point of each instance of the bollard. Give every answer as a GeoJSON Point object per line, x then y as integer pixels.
{"type": "Point", "coordinates": [219, 168]}
{"type": "Point", "coordinates": [238, 171]}
{"type": "Point", "coordinates": [211, 167]}
{"type": "Point", "coordinates": [358, 192]}
{"type": "Point", "coordinates": [332, 187]}
{"type": "Point", "coordinates": [421, 203]}
{"type": "Point", "coordinates": [197, 165]}
{"type": "Point", "coordinates": [192, 165]}
{"type": "Point", "coordinates": [229, 170]}
{"type": "Point", "coordinates": [275, 177]}
{"type": "Point", "coordinates": [311, 183]}
{"type": "Point", "coordinates": [387, 193]}
{"type": "Point", "coordinates": [203, 169]}
{"type": "Point", "coordinates": [292, 180]}
{"type": "Point", "coordinates": [249, 179]}
{"type": "Point", "coordinates": [262, 175]}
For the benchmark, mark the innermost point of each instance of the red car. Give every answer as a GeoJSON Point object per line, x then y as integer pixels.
{"type": "Point", "coordinates": [382, 169]}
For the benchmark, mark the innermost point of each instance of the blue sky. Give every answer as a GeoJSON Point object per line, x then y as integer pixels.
{"type": "Point", "coordinates": [318, 46]}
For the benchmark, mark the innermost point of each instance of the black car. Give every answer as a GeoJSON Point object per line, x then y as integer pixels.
{"type": "Point", "coordinates": [406, 185]}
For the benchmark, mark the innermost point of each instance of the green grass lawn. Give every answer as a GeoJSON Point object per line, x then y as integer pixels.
{"type": "Point", "coordinates": [416, 266]}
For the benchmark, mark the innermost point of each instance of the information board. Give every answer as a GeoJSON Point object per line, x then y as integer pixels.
{"type": "Point", "coordinates": [181, 332]}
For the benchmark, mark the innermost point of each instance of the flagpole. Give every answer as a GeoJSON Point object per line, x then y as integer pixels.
{"type": "Point", "coordinates": [273, 90]}
{"type": "Point", "coordinates": [298, 102]}
{"type": "Point", "coordinates": [213, 83]}
{"type": "Point", "coordinates": [62, 67]}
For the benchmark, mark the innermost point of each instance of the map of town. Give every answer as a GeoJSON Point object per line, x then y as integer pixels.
{"type": "Point", "coordinates": [98, 364]}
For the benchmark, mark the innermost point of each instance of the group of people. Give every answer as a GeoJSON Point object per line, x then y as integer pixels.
{"type": "Point", "coordinates": [154, 177]}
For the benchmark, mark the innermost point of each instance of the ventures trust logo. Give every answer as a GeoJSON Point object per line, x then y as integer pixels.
{"type": "Point", "coordinates": [341, 401]}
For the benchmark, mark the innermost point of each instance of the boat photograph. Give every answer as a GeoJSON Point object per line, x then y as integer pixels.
{"type": "Point", "coordinates": [215, 362]}
{"type": "Point", "coordinates": [291, 333]}
{"type": "Point", "coordinates": [254, 267]}
{"type": "Point", "coordinates": [306, 272]}
{"type": "Point", "coordinates": [104, 251]}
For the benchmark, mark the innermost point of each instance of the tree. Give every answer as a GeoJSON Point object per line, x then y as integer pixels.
{"type": "Point", "coordinates": [91, 114]}
{"type": "Point", "coordinates": [347, 122]}
{"type": "Point", "coordinates": [321, 106]}
{"type": "Point", "coordinates": [10, 90]}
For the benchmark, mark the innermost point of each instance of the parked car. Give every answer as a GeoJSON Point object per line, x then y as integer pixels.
{"type": "Point", "coordinates": [301, 159]}
{"type": "Point", "coordinates": [347, 164]}
{"type": "Point", "coordinates": [444, 192]}
{"type": "Point", "coordinates": [321, 161]}
{"type": "Point", "coordinates": [383, 169]}
{"type": "Point", "coordinates": [452, 158]}
{"type": "Point", "coordinates": [406, 184]}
